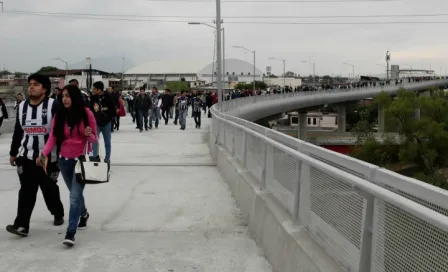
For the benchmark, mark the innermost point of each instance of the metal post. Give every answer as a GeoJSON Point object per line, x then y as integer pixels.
{"type": "Point", "coordinates": [284, 75]}
{"type": "Point", "coordinates": [224, 58]}
{"type": "Point", "coordinates": [314, 72]}
{"type": "Point", "coordinates": [233, 143]}
{"type": "Point", "coordinates": [218, 45]}
{"type": "Point", "coordinates": [213, 65]}
{"type": "Point", "coordinates": [367, 235]}
{"type": "Point", "coordinates": [264, 164]}
{"type": "Point", "coordinates": [66, 71]}
{"type": "Point", "coordinates": [244, 149]}
{"type": "Point", "coordinates": [295, 213]}
{"type": "Point", "coordinates": [254, 72]}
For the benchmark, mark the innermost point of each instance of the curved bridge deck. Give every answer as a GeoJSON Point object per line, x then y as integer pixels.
{"type": "Point", "coordinates": [166, 208]}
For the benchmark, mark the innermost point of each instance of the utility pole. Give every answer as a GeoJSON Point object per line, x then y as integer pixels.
{"type": "Point", "coordinates": [284, 71]}
{"type": "Point", "coordinates": [254, 73]}
{"type": "Point", "coordinates": [387, 61]}
{"type": "Point", "coordinates": [218, 53]}
{"type": "Point", "coordinates": [253, 52]}
{"type": "Point", "coordinates": [224, 58]}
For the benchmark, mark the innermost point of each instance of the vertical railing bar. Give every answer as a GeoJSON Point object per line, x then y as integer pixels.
{"type": "Point", "coordinates": [263, 163]}
{"type": "Point", "coordinates": [295, 211]}
{"type": "Point", "coordinates": [244, 159]}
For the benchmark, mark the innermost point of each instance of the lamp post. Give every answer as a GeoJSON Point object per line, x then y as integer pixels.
{"type": "Point", "coordinates": [314, 69]}
{"type": "Point", "coordinates": [410, 67]}
{"type": "Point", "coordinates": [284, 71]}
{"type": "Point", "coordinates": [387, 62]}
{"type": "Point", "coordinates": [223, 50]}
{"type": "Point", "coordinates": [253, 52]}
{"type": "Point", "coordinates": [353, 68]}
{"type": "Point", "coordinates": [89, 82]}
{"type": "Point", "coordinates": [66, 66]}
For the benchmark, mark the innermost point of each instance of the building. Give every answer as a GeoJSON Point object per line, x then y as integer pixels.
{"type": "Point", "coordinates": [314, 121]}
{"type": "Point", "coordinates": [196, 73]}
{"type": "Point", "coordinates": [279, 81]}
{"type": "Point", "coordinates": [236, 71]}
{"type": "Point", "coordinates": [158, 73]}
{"type": "Point", "coordinates": [60, 78]}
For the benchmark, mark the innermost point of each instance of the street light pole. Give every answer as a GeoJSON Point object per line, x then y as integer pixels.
{"type": "Point", "coordinates": [66, 66]}
{"type": "Point", "coordinates": [284, 71]}
{"type": "Point", "coordinates": [220, 73]}
{"type": "Point", "coordinates": [254, 74]}
{"type": "Point", "coordinates": [353, 68]}
{"type": "Point", "coordinates": [218, 45]}
{"type": "Point", "coordinates": [253, 52]}
{"type": "Point", "coordinates": [224, 58]}
{"type": "Point", "coordinates": [314, 69]}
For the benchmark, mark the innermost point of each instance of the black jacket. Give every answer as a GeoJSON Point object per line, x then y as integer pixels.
{"type": "Point", "coordinates": [143, 102]}
{"type": "Point", "coordinates": [167, 101]}
{"type": "Point", "coordinates": [3, 109]}
{"type": "Point", "coordinates": [107, 108]}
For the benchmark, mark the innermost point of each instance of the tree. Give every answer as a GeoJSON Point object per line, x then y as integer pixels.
{"type": "Point", "coordinates": [5, 73]}
{"type": "Point", "coordinates": [423, 141]}
{"type": "Point", "coordinates": [46, 69]}
{"type": "Point", "coordinates": [290, 74]}
{"type": "Point", "coordinates": [177, 86]}
{"type": "Point", "coordinates": [249, 86]}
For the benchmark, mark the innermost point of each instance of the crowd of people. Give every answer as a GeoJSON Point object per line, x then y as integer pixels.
{"type": "Point", "coordinates": [148, 109]}
{"type": "Point", "coordinates": [54, 130]}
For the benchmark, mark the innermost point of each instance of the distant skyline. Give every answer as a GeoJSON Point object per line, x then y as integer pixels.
{"type": "Point", "coordinates": [30, 40]}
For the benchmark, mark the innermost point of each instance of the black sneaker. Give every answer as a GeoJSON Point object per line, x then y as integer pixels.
{"type": "Point", "coordinates": [83, 221]}
{"type": "Point", "coordinates": [69, 240]}
{"type": "Point", "coordinates": [58, 221]}
{"type": "Point", "coordinates": [17, 230]}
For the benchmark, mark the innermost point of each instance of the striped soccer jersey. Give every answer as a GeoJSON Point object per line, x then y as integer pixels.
{"type": "Point", "coordinates": [34, 124]}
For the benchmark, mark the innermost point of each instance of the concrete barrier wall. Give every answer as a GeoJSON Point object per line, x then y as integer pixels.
{"type": "Point", "coordinates": [288, 247]}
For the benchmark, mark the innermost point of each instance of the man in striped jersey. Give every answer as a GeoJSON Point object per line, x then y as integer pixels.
{"type": "Point", "coordinates": [31, 132]}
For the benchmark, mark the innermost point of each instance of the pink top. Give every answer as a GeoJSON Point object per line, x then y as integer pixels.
{"type": "Point", "coordinates": [73, 145]}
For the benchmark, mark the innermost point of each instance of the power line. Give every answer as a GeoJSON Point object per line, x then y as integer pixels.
{"type": "Point", "coordinates": [227, 22]}
{"type": "Point", "coordinates": [233, 17]}
{"type": "Point", "coordinates": [275, 1]}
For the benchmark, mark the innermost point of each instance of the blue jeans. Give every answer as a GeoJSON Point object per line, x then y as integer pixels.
{"type": "Point", "coordinates": [77, 204]}
{"type": "Point", "coordinates": [183, 118]}
{"type": "Point", "coordinates": [107, 134]}
{"type": "Point", "coordinates": [154, 116]}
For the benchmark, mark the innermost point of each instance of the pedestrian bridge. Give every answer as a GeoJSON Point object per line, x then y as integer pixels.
{"type": "Point", "coordinates": [171, 205]}
{"type": "Point", "coordinates": [304, 203]}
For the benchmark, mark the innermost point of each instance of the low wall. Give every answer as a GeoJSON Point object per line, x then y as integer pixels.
{"type": "Point", "coordinates": [288, 247]}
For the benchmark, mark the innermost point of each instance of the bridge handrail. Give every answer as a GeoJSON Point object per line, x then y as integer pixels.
{"type": "Point", "coordinates": [360, 223]}
{"type": "Point", "coordinates": [423, 193]}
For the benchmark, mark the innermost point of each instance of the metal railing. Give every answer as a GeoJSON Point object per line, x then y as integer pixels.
{"type": "Point", "coordinates": [366, 217]}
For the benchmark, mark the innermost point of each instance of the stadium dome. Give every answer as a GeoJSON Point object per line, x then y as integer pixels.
{"type": "Point", "coordinates": [234, 67]}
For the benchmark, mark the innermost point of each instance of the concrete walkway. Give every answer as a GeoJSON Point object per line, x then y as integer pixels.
{"type": "Point", "coordinates": [166, 209]}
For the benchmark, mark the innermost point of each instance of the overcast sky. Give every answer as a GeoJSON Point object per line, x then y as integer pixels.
{"type": "Point", "coordinates": [29, 42]}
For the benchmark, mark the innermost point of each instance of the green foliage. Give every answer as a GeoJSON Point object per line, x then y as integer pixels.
{"type": "Point", "coordinates": [258, 85]}
{"type": "Point", "coordinates": [5, 73]}
{"type": "Point", "coordinates": [46, 69]}
{"type": "Point", "coordinates": [177, 86]}
{"type": "Point", "coordinates": [423, 141]}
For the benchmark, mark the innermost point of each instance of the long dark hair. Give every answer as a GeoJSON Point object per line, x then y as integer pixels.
{"type": "Point", "coordinates": [72, 116]}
